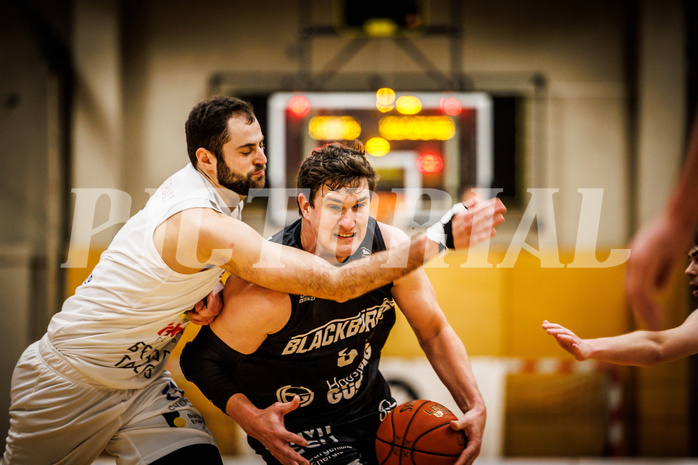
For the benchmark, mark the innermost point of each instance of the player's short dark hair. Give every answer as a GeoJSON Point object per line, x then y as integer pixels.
{"type": "Point", "coordinates": [338, 164]}
{"type": "Point", "coordinates": [207, 125]}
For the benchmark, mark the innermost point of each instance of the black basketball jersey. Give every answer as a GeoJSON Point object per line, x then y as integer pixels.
{"type": "Point", "coordinates": [327, 353]}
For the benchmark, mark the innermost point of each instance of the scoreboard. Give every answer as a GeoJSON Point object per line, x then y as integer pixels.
{"type": "Point", "coordinates": [427, 147]}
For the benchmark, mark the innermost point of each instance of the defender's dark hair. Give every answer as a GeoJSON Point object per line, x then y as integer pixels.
{"type": "Point", "coordinates": [337, 164]}
{"type": "Point", "coordinates": [207, 125]}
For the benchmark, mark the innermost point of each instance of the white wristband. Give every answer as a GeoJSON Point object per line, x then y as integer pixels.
{"type": "Point", "coordinates": [436, 231]}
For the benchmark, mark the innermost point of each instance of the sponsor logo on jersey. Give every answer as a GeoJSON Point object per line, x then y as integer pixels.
{"type": "Point", "coordinates": [171, 330]}
{"type": "Point", "coordinates": [166, 190]}
{"type": "Point", "coordinates": [143, 358]}
{"type": "Point", "coordinates": [346, 358]}
{"type": "Point", "coordinates": [305, 298]}
{"type": "Point", "coordinates": [347, 387]}
{"type": "Point", "coordinates": [287, 393]}
{"type": "Point", "coordinates": [338, 330]}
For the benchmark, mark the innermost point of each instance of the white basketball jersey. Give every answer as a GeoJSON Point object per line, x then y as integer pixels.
{"type": "Point", "coordinates": [124, 320]}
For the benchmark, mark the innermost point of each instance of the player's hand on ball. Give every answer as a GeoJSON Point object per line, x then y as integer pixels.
{"type": "Point", "coordinates": [207, 309]}
{"type": "Point", "coordinates": [568, 340]}
{"type": "Point", "coordinates": [473, 425]}
{"type": "Point", "coordinates": [425, 432]}
{"type": "Point", "coordinates": [268, 427]}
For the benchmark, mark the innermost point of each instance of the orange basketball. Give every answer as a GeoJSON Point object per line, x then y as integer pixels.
{"type": "Point", "coordinates": [418, 433]}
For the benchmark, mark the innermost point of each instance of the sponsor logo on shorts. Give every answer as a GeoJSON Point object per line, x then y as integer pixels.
{"type": "Point", "coordinates": [196, 419]}
{"type": "Point", "coordinates": [385, 406]}
{"type": "Point", "coordinates": [316, 437]}
{"type": "Point", "coordinates": [287, 393]}
{"type": "Point", "coordinates": [174, 420]}
{"type": "Point", "coordinates": [181, 403]}
{"type": "Point", "coordinates": [171, 391]}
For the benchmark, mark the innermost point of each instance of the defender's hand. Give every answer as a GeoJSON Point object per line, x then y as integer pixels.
{"type": "Point", "coordinates": [468, 224]}
{"type": "Point", "coordinates": [207, 309]}
{"type": "Point", "coordinates": [568, 340]}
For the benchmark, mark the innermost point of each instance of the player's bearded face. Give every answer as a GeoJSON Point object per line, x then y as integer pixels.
{"type": "Point", "coordinates": [239, 183]}
{"type": "Point", "coordinates": [241, 161]}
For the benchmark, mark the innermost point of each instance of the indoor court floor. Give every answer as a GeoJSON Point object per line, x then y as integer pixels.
{"type": "Point", "coordinates": [508, 461]}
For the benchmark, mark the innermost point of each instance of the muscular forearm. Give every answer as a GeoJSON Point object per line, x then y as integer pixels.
{"type": "Point", "coordinates": [449, 359]}
{"type": "Point", "coordinates": [241, 409]}
{"type": "Point", "coordinates": [639, 348]}
{"type": "Point", "coordinates": [359, 277]}
{"type": "Point", "coordinates": [292, 271]}
{"type": "Point", "coordinates": [244, 253]}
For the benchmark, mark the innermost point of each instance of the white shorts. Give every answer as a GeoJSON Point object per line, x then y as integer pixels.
{"type": "Point", "coordinates": [61, 416]}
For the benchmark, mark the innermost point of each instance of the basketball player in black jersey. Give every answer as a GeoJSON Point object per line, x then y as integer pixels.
{"type": "Point", "coordinates": [300, 374]}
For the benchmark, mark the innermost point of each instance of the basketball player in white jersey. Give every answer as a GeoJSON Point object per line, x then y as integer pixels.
{"type": "Point", "coordinates": [97, 380]}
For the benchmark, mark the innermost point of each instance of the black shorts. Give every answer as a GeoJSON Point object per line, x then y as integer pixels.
{"type": "Point", "coordinates": [351, 443]}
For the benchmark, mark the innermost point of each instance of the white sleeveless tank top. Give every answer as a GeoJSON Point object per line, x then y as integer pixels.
{"type": "Point", "coordinates": [124, 320]}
